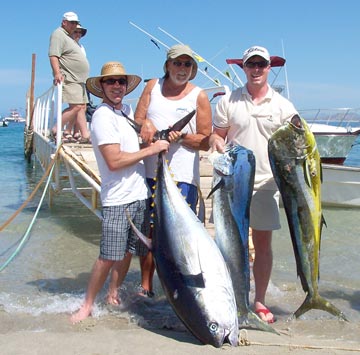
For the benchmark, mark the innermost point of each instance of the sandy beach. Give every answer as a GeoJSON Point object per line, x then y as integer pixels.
{"type": "Point", "coordinates": [43, 335]}
{"type": "Point", "coordinates": [48, 279]}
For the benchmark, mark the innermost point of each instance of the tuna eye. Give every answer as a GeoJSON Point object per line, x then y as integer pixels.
{"type": "Point", "coordinates": [213, 327]}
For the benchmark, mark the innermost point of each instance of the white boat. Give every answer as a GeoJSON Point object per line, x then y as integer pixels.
{"type": "Point", "coordinates": [15, 116]}
{"type": "Point", "coordinates": [341, 186]}
{"type": "Point", "coordinates": [335, 131]}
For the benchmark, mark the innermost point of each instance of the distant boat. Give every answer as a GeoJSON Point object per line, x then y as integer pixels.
{"type": "Point", "coordinates": [15, 116]}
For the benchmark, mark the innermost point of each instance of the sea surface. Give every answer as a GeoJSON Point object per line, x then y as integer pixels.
{"type": "Point", "coordinates": [50, 272]}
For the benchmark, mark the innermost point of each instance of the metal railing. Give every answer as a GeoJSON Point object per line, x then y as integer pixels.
{"type": "Point", "coordinates": [71, 174]}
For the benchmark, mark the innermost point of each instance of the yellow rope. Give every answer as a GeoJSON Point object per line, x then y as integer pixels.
{"type": "Point", "coordinates": [3, 226]}
{"type": "Point", "coordinates": [244, 341]}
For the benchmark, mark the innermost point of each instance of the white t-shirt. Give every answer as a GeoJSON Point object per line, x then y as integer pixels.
{"type": "Point", "coordinates": [128, 184]}
{"type": "Point", "coordinates": [251, 125]}
{"type": "Point", "coordinates": [183, 161]}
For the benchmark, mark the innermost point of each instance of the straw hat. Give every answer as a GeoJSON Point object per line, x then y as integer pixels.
{"type": "Point", "coordinates": [83, 29]}
{"type": "Point", "coordinates": [178, 50]}
{"type": "Point", "coordinates": [111, 69]}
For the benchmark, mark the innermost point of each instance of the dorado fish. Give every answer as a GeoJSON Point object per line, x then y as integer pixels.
{"type": "Point", "coordinates": [296, 167]}
{"type": "Point", "coordinates": [190, 267]}
{"type": "Point", "coordinates": [233, 181]}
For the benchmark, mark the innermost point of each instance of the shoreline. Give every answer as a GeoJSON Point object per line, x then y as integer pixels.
{"type": "Point", "coordinates": [115, 334]}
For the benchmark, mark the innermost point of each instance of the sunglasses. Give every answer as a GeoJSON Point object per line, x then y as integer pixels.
{"type": "Point", "coordinates": [78, 32]}
{"type": "Point", "coordinates": [262, 64]}
{"type": "Point", "coordinates": [178, 64]}
{"type": "Point", "coordinates": [120, 81]}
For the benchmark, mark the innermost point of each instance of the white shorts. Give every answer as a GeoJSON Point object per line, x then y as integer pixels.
{"type": "Point", "coordinates": [264, 210]}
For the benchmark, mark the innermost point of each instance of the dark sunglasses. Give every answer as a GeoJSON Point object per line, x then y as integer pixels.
{"type": "Point", "coordinates": [177, 63]}
{"type": "Point", "coordinates": [121, 81]}
{"type": "Point", "coordinates": [262, 64]}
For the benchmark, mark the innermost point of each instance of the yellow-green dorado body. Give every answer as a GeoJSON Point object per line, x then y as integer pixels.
{"type": "Point", "coordinates": [296, 167]}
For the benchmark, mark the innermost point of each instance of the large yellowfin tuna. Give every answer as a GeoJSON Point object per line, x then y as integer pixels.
{"type": "Point", "coordinates": [190, 267]}
{"type": "Point", "coordinates": [296, 167]}
{"type": "Point", "coordinates": [233, 181]}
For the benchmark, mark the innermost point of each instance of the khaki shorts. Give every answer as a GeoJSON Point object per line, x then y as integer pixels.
{"type": "Point", "coordinates": [74, 93]}
{"type": "Point", "coordinates": [264, 210]}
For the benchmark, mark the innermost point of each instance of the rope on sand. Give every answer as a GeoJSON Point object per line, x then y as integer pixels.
{"type": "Point", "coordinates": [244, 341]}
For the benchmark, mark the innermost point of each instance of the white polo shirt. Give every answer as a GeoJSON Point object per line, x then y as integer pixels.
{"type": "Point", "coordinates": [251, 125]}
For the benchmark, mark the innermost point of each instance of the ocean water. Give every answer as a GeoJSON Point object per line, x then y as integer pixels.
{"type": "Point", "coordinates": [50, 273]}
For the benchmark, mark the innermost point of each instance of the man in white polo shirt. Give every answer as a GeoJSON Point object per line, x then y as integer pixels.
{"type": "Point", "coordinates": [249, 116]}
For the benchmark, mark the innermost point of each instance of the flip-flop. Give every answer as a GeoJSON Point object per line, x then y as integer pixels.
{"type": "Point", "coordinates": [265, 311]}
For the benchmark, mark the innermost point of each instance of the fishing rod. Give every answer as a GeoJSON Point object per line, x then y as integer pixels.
{"type": "Point", "coordinates": [156, 41]}
{"type": "Point", "coordinates": [202, 59]}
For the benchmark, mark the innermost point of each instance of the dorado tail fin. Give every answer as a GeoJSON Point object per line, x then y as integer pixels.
{"type": "Point", "coordinates": [319, 303]}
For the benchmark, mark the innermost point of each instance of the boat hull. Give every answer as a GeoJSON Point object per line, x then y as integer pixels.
{"type": "Point", "coordinates": [341, 186]}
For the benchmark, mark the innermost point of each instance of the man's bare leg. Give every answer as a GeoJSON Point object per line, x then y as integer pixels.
{"type": "Point", "coordinates": [98, 277]}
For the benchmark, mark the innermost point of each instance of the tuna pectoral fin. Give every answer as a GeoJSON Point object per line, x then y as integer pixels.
{"type": "Point", "coordinates": [321, 303]}
{"type": "Point", "coordinates": [216, 187]}
{"type": "Point", "coordinates": [202, 210]}
{"type": "Point", "coordinates": [252, 320]}
{"type": "Point", "coordinates": [193, 280]}
{"type": "Point", "coordinates": [147, 241]}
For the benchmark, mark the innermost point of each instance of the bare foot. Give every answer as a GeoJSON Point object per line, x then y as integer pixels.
{"type": "Point", "coordinates": [113, 300]}
{"type": "Point", "coordinates": [264, 313]}
{"type": "Point", "coordinates": [81, 314]}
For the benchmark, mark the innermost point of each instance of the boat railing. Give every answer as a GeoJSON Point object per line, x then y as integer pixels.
{"type": "Point", "coordinates": [47, 108]}
{"type": "Point", "coordinates": [348, 118]}
{"type": "Point", "coordinates": [75, 170]}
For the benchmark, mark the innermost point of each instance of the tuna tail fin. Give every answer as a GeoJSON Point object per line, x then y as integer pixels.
{"type": "Point", "coordinates": [147, 241]}
{"type": "Point", "coordinates": [252, 320]}
{"type": "Point", "coordinates": [318, 302]}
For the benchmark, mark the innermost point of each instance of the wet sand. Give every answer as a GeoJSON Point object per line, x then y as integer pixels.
{"type": "Point", "coordinates": [53, 334]}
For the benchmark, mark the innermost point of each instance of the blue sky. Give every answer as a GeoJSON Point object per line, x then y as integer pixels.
{"type": "Point", "coordinates": [320, 40]}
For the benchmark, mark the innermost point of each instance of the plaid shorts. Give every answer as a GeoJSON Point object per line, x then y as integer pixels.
{"type": "Point", "coordinates": [117, 235]}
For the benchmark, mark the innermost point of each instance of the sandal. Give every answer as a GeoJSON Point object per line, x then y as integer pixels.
{"type": "Point", "coordinates": [77, 136]}
{"type": "Point", "coordinates": [68, 138]}
{"type": "Point", "coordinates": [84, 140]}
{"type": "Point", "coordinates": [145, 293]}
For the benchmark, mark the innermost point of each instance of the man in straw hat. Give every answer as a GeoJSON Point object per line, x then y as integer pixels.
{"type": "Point", "coordinates": [123, 185]}
{"type": "Point", "coordinates": [70, 67]}
{"type": "Point", "coordinates": [163, 102]}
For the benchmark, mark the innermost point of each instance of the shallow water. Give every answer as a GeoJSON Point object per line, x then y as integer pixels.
{"type": "Point", "coordinates": [50, 274]}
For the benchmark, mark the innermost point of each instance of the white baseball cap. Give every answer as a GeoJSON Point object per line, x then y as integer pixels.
{"type": "Point", "coordinates": [256, 50]}
{"type": "Point", "coordinates": [70, 16]}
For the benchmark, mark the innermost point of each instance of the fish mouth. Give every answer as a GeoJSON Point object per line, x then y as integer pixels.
{"type": "Point", "coordinates": [297, 124]}
{"type": "Point", "coordinates": [230, 336]}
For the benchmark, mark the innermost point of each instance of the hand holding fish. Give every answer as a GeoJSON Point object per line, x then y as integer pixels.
{"type": "Point", "coordinates": [217, 143]}
{"type": "Point", "coordinates": [148, 131]}
{"type": "Point", "coordinates": [160, 146]}
{"type": "Point", "coordinates": [175, 136]}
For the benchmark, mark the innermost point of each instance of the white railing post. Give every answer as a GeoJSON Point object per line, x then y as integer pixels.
{"type": "Point", "coordinates": [59, 115]}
